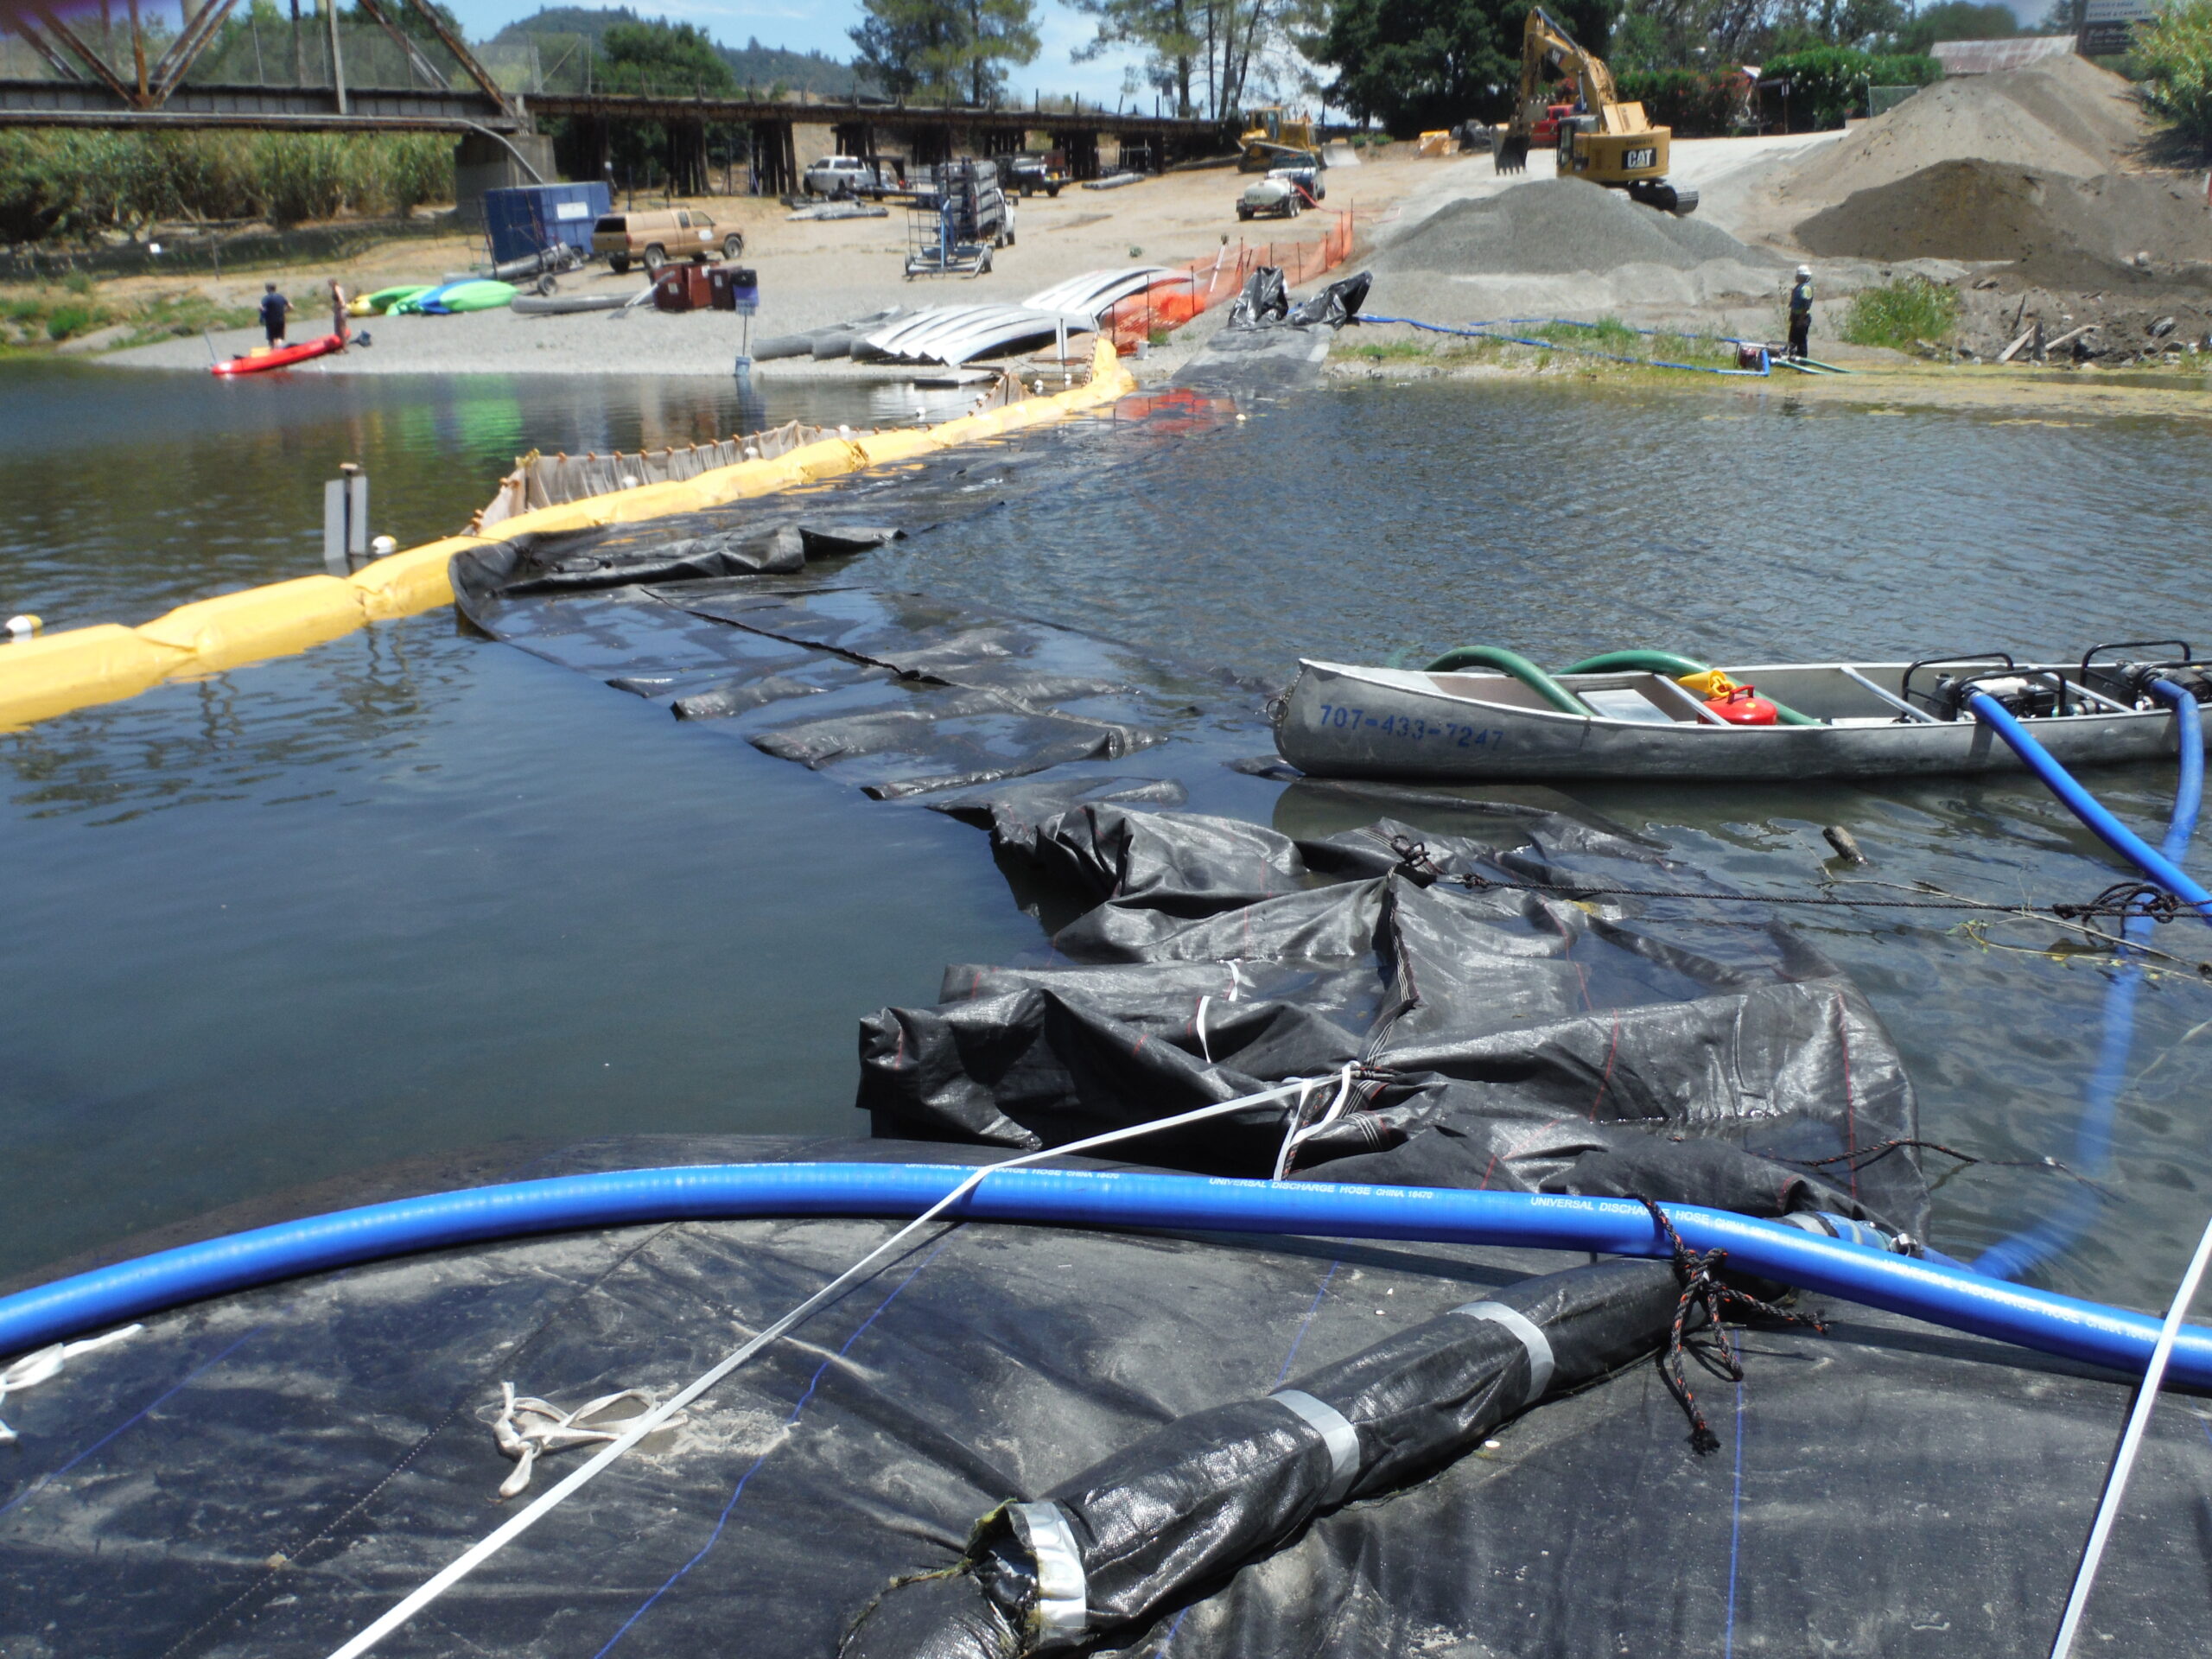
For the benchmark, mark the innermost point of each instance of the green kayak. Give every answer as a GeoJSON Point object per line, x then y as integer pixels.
{"type": "Point", "coordinates": [480, 294]}
{"type": "Point", "coordinates": [376, 304]}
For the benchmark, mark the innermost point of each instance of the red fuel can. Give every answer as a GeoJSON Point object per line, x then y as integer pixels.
{"type": "Point", "coordinates": [1743, 707]}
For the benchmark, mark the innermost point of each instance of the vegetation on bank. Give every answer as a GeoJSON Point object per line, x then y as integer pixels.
{"type": "Point", "coordinates": [2173, 59]}
{"type": "Point", "coordinates": [76, 186]}
{"type": "Point", "coordinates": [46, 314]}
{"type": "Point", "coordinates": [1607, 346]}
{"type": "Point", "coordinates": [1901, 314]}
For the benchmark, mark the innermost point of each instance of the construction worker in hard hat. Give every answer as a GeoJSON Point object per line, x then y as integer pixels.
{"type": "Point", "coordinates": [1801, 311]}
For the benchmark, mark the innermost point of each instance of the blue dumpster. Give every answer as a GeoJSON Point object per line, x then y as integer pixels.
{"type": "Point", "coordinates": [527, 218]}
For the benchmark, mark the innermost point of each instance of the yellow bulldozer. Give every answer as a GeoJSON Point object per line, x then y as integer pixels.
{"type": "Point", "coordinates": [1273, 137]}
{"type": "Point", "coordinates": [1603, 140]}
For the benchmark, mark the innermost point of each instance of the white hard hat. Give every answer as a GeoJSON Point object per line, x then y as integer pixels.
{"type": "Point", "coordinates": [1804, 271]}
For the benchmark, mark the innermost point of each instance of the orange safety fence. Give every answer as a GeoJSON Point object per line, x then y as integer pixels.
{"type": "Point", "coordinates": [1173, 300]}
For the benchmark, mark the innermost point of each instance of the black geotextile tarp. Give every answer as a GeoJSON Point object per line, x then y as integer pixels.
{"type": "Point", "coordinates": [1501, 1037]}
{"type": "Point", "coordinates": [262, 1474]}
{"type": "Point", "coordinates": [735, 617]}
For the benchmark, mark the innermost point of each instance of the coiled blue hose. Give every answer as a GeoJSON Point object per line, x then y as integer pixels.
{"type": "Point", "coordinates": [1941, 1292]}
{"type": "Point", "coordinates": [2029, 1248]}
{"type": "Point", "coordinates": [2086, 806]}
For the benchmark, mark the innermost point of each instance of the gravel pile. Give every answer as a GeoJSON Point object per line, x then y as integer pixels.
{"type": "Point", "coordinates": [1552, 227]}
{"type": "Point", "coordinates": [2062, 115]}
{"type": "Point", "coordinates": [2058, 231]}
{"type": "Point", "coordinates": [1566, 248]}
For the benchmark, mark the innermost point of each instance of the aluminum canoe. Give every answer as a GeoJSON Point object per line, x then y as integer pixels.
{"type": "Point", "coordinates": [1342, 720]}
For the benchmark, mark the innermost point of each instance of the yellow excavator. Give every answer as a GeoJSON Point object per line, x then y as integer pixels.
{"type": "Point", "coordinates": [1604, 141]}
{"type": "Point", "coordinates": [1273, 137]}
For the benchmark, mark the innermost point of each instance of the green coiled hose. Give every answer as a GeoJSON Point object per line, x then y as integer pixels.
{"type": "Point", "coordinates": [1513, 662]}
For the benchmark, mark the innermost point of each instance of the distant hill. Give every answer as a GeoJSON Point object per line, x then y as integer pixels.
{"type": "Point", "coordinates": [754, 64]}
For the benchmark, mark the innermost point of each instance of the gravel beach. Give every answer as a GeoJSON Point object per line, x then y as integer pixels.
{"type": "Point", "coordinates": [812, 273]}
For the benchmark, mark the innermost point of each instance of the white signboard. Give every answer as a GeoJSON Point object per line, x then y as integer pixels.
{"type": "Point", "coordinates": [572, 210]}
{"type": "Point", "coordinates": [2107, 25]}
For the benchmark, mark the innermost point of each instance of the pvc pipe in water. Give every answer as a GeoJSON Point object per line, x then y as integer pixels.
{"type": "Point", "coordinates": [1941, 1292]}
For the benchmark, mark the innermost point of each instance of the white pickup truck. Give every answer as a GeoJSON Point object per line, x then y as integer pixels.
{"type": "Point", "coordinates": [841, 175]}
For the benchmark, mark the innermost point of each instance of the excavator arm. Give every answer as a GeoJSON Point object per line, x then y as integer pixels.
{"type": "Point", "coordinates": [1607, 141]}
{"type": "Point", "coordinates": [1548, 53]}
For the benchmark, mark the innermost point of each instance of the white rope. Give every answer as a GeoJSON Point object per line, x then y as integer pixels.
{"type": "Point", "coordinates": [527, 1426]}
{"type": "Point", "coordinates": [1301, 1132]}
{"type": "Point", "coordinates": [2131, 1442]}
{"type": "Point", "coordinates": [643, 1424]}
{"type": "Point", "coordinates": [44, 1363]}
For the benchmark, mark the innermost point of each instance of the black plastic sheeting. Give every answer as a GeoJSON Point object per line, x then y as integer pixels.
{"type": "Point", "coordinates": [262, 1474]}
{"type": "Point", "coordinates": [1192, 1502]}
{"type": "Point", "coordinates": [736, 617]}
{"type": "Point", "coordinates": [1270, 347]}
{"type": "Point", "coordinates": [1501, 1038]}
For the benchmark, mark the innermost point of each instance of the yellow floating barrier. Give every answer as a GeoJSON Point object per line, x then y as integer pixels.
{"type": "Point", "coordinates": [52, 674]}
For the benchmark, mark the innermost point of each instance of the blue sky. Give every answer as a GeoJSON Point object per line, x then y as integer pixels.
{"type": "Point", "coordinates": [822, 26]}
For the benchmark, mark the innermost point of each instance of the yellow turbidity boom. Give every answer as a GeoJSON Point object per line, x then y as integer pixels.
{"type": "Point", "coordinates": [43, 677]}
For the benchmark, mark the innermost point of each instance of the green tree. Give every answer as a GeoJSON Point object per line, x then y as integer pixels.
{"type": "Point", "coordinates": [1714, 35]}
{"type": "Point", "coordinates": [1416, 65]}
{"type": "Point", "coordinates": [407, 21]}
{"type": "Point", "coordinates": [944, 48]}
{"type": "Point", "coordinates": [662, 56]}
{"type": "Point", "coordinates": [1957, 20]}
{"type": "Point", "coordinates": [2173, 56]}
{"type": "Point", "coordinates": [1167, 31]}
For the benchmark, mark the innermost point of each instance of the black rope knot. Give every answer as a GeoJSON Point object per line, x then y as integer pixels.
{"type": "Point", "coordinates": [1703, 1291]}
{"type": "Point", "coordinates": [2126, 900]}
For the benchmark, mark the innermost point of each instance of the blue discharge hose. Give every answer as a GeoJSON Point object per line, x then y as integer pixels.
{"type": "Point", "coordinates": [2029, 1248]}
{"type": "Point", "coordinates": [2085, 806]}
{"type": "Point", "coordinates": [1941, 1292]}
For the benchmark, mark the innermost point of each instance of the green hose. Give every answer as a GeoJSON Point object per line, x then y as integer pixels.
{"type": "Point", "coordinates": [1513, 662]}
{"type": "Point", "coordinates": [1637, 662]}
{"type": "Point", "coordinates": [1666, 662]}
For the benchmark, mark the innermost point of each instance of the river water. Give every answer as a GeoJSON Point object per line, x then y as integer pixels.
{"type": "Point", "coordinates": [415, 892]}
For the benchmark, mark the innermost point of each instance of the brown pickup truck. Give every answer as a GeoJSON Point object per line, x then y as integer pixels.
{"type": "Point", "coordinates": [654, 237]}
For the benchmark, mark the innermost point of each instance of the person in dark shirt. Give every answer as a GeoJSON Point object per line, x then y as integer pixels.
{"type": "Point", "coordinates": [1801, 311]}
{"type": "Point", "coordinates": [273, 308]}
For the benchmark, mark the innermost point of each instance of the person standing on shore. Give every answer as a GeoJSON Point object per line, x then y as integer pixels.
{"type": "Point", "coordinates": [273, 308]}
{"type": "Point", "coordinates": [1800, 313]}
{"type": "Point", "coordinates": [340, 323]}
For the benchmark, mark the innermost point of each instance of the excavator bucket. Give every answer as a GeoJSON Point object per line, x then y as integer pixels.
{"type": "Point", "coordinates": [1512, 153]}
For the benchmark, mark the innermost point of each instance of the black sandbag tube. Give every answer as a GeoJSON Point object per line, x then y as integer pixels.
{"type": "Point", "coordinates": [1188, 1504]}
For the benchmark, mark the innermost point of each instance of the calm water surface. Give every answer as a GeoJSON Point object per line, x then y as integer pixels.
{"type": "Point", "coordinates": [415, 892]}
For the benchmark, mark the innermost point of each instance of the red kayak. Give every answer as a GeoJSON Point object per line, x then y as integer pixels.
{"type": "Point", "coordinates": [281, 357]}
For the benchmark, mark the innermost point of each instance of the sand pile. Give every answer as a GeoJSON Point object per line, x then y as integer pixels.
{"type": "Point", "coordinates": [1553, 226]}
{"type": "Point", "coordinates": [2060, 231]}
{"type": "Point", "coordinates": [2060, 116]}
{"type": "Point", "coordinates": [1561, 247]}
{"type": "Point", "coordinates": [2043, 167]}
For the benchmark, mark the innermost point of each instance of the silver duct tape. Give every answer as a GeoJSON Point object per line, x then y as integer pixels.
{"type": "Point", "coordinates": [1532, 1338]}
{"type": "Point", "coordinates": [1063, 1611]}
{"type": "Point", "coordinates": [1336, 1434]}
